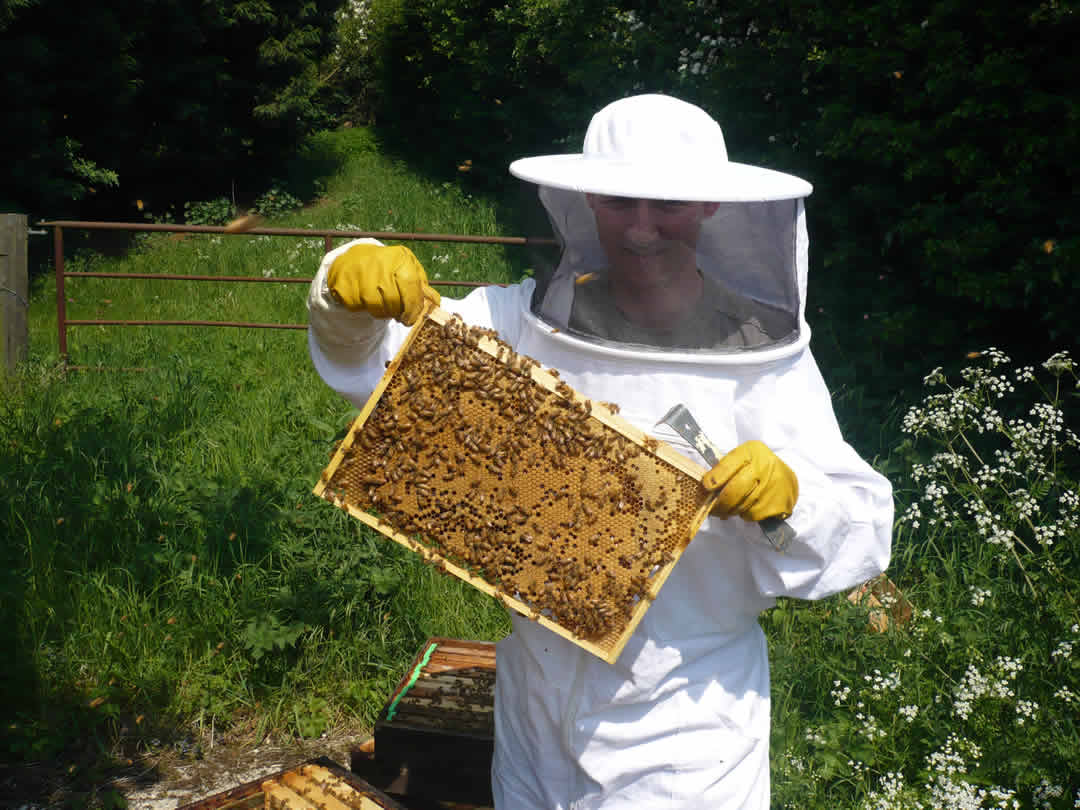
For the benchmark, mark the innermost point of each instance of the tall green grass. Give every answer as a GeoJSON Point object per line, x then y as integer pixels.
{"type": "Point", "coordinates": [165, 565]}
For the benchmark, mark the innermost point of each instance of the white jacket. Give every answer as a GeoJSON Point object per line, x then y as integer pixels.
{"type": "Point", "coordinates": [682, 719]}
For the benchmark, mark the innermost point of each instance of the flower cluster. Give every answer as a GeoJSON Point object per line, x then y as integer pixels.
{"type": "Point", "coordinates": [948, 790]}
{"type": "Point", "coordinates": [982, 673]}
{"type": "Point", "coordinates": [976, 685]}
{"type": "Point", "coordinates": [996, 470]}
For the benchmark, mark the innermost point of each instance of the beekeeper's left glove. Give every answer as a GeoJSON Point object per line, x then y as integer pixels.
{"type": "Point", "coordinates": [753, 483]}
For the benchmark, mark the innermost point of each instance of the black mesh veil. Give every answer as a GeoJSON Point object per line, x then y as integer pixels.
{"type": "Point", "coordinates": [738, 289]}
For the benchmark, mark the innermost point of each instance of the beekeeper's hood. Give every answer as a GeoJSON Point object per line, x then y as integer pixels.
{"type": "Point", "coordinates": [668, 245]}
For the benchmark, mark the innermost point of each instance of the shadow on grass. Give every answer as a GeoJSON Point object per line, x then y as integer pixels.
{"type": "Point", "coordinates": [119, 537]}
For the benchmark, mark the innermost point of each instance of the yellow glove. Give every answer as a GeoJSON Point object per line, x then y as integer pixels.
{"type": "Point", "coordinates": [388, 282]}
{"type": "Point", "coordinates": [753, 483]}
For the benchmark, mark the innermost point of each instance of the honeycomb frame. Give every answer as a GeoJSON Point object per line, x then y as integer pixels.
{"type": "Point", "coordinates": [497, 472]}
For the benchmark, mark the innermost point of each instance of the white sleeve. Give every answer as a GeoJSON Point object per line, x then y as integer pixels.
{"type": "Point", "coordinates": [350, 349]}
{"type": "Point", "coordinates": [844, 514]}
{"type": "Point", "coordinates": [345, 346]}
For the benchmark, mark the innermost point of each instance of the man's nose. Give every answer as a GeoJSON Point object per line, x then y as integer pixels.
{"type": "Point", "coordinates": [641, 218]}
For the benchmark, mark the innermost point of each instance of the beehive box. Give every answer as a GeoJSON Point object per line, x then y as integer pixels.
{"type": "Point", "coordinates": [317, 785]}
{"type": "Point", "coordinates": [435, 735]}
{"type": "Point", "coordinates": [496, 471]}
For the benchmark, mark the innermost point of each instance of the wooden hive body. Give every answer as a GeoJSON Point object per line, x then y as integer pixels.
{"type": "Point", "coordinates": [499, 473]}
{"type": "Point", "coordinates": [436, 733]}
{"type": "Point", "coordinates": [316, 785]}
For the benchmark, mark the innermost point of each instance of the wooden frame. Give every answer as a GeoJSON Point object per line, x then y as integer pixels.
{"type": "Point", "coordinates": [658, 452]}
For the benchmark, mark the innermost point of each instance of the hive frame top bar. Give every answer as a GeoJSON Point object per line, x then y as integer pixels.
{"type": "Point", "coordinates": [651, 450]}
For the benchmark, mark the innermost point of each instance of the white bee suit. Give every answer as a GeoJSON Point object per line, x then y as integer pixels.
{"type": "Point", "coordinates": [681, 720]}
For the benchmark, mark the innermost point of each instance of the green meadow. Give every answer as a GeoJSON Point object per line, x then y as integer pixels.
{"type": "Point", "coordinates": [168, 575]}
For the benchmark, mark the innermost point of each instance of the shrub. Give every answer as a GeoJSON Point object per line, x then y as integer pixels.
{"type": "Point", "coordinates": [209, 212]}
{"type": "Point", "coordinates": [938, 136]}
{"type": "Point", "coordinates": [974, 702]}
{"type": "Point", "coordinates": [276, 202]}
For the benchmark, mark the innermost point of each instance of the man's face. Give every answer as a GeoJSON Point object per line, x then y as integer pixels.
{"type": "Point", "coordinates": [648, 242]}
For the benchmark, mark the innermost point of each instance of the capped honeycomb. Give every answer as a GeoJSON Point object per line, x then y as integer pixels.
{"type": "Point", "coordinates": [314, 787]}
{"type": "Point", "coordinates": [496, 471]}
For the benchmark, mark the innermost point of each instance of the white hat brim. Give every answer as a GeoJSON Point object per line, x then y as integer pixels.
{"type": "Point", "coordinates": [667, 180]}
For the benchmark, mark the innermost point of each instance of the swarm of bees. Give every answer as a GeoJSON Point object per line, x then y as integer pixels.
{"type": "Point", "coordinates": [496, 470]}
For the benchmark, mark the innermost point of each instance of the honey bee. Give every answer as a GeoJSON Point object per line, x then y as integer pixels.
{"type": "Point", "coordinates": [244, 223]}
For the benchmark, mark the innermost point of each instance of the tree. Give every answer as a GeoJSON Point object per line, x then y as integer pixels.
{"type": "Point", "coordinates": [939, 135]}
{"type": "Point", "coordinates": [939, 138]}
{"type": "Point", "coordinates": [164, 100]}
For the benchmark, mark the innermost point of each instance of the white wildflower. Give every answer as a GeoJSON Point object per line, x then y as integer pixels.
{"type": "Point", "coordinates": [1059, 363]}
{"type": "Point", "coordinates": [935, 377]}
{"type": "Point", "coordinates": [1045, 791]}
{"type": "Point", "coordinates": [1063, 650]}
{"type": "Point", "coordinates": [883, 683]}
{"type": "Point", "coordinates": [840, 693]}
{"type": "Point", "coordinates": [1025, 710]}
{"type": "Point", "coordinates": [1067, 695]}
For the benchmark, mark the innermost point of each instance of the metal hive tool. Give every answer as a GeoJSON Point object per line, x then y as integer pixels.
{"type": "Point", "coordinates": [499, 473]}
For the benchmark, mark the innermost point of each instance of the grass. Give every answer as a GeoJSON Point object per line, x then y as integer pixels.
{"type": "Point", "coordinates": [166, 566]}
{"type": "Point", "coordinates": [166, 570]}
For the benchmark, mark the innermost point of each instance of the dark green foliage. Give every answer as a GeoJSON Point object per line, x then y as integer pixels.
{"type": "Point", "coordinates": [487, 82]}
{"type": "Point", "coordinates": [939, 138]}
{"type": "Point", "coordinates": [181, 101]}
{"type": "Point", "coordinates": [276, 202]}
{"type": "Point", "coordinates": [209, 212]}
{"type": "Point", "coordinates": [941, 154]}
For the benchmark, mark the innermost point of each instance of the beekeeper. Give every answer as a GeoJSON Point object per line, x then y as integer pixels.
{"type": "Point", "coordinates": [682, 280]}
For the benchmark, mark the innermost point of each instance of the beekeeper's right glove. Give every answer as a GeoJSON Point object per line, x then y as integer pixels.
{"type": "Point", "coordinates": [387, 282]}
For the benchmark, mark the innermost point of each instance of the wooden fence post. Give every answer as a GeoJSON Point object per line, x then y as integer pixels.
{"type": "Point", "coordinates": [14, 288]}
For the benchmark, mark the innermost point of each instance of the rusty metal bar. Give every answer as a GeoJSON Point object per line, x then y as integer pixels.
{"type": "Point", "coordinates": [61, 300]}
{"type": "Point", "coordinates": [256, 279]}
{"type": "Point", "coordinates": [178, 277]}
{"type": "Point", "coordinates": [141, 369]}
{"type": "Point", "coordinates": [188, 323]}
{"type": "Point", "coordinates": [63, 322]}
{"type": "Point", "coordinates": [326, 234]}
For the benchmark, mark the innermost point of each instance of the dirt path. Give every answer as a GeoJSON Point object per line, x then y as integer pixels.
{"type": "Point", "coordinates": [164, 780]}
{"type": "Point", "coordinates": [225, 767]}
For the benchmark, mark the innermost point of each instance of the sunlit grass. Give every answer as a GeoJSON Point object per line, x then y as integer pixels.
{"type": "Point", "coordinates": [165, 560]}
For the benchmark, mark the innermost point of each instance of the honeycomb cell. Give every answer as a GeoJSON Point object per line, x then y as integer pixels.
{"type": "Point", "coordinates": [512, 481]}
